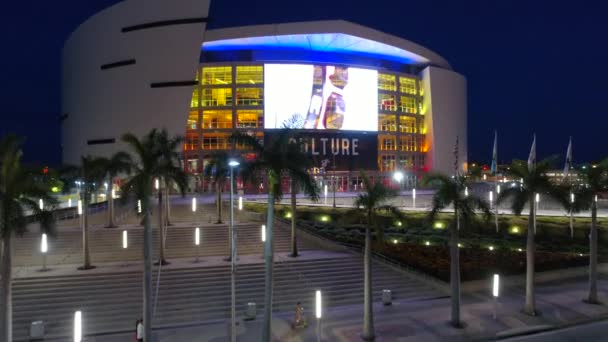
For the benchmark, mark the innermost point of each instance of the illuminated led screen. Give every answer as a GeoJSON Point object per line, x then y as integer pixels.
{"type": "Point", "coordinates": [320, 97]}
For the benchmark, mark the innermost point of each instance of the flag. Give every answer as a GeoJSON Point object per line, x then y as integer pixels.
{"type": "Point", "coordinates": [532, 157]}
{"type": "Point", "coordinates": [568, 163]}
{"type": "Point", "coordinates": [494, 166]}
{"type": "Point", "coordinates": [456, 158]}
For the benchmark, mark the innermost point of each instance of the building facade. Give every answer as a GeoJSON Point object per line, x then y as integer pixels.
{"type": "Point", "coordinates": [134, 67]}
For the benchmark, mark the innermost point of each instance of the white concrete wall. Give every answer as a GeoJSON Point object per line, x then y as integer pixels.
{"type": "Point", "coordinates": [445, 102]}
{"type": "Point", "coordinates": [106, 104]}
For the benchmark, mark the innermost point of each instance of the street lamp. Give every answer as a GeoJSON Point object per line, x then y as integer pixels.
{"type": "Point", "coordinates": [44, 247]}
{"type": "Point", "coordinates": [232, 163]}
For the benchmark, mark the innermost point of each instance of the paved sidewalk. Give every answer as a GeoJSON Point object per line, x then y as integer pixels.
{"type": "Point", "coordinates": [423, 320]}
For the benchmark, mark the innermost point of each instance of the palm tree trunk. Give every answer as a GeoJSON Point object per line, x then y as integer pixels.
{"type": "Point", "coordinates": [147, 281]}
{"type": "Point", "coordinates": [111, 223]}
{"type": "Point", "coordinates": [161, 229]}
{"type": "Point", "coordinates": [530, 306]}
{"type": "Point", "coordinates": [86, 255]}
{"type": "Point", "coordinates": [167, 205]}
{"type": "Point", "coordinates": [6, 321]}
{"type": "Point", "coordinates": [455, 271]}
{"type": "Point", "coordinates": [294, 241]}
{"type": "Point", "coordinates": [218, 201]}
{"type": "Point", "coordinates": [269, 263]}
{"type": "Point", "coordinates": [368, 310]}
{"type": "Point", "coordinates": [593, 256]}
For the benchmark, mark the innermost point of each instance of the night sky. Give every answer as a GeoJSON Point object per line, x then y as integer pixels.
{"type": "Point", "coordinates": [532, 66]}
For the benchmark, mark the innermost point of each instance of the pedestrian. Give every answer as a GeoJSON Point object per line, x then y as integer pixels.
{"type": "Point", "coordinates": [139, 330]}
{"type": "Point", "coordinates": [299, 320]}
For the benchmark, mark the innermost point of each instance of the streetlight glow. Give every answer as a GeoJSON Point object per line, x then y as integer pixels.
{"type": "Point", "coordinates": [318, 311]}
{"type": "Point", "coordinates": [43, 244]}
{"type": "Point", "coordinates": [77, 326]}
{"type": "Point", "coordinates": [197, 236]}
{"type": "Point", "coordinates": [495, 285]}
{"type": "Point", "coordinates": [194, 204]}
{"type": "Point", "coordinates": [125, 242]}
{"type": "Point", "coordinates": [263, 233]}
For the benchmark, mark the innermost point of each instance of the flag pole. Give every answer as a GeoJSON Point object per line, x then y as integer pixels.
{"type": "Point", "coordinates": [495, 169]}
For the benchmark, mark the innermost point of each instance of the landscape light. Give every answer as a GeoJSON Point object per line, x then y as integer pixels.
{"type": "Point", "coordinates": [537, 197]}
{"type": "Point", "coordinates": [41, 204]}
{"type": "Point", "coordinates": [43, 244]}
{"type": "Point", "coordinates": [263, 233]}
{"type": "Point", "coordinates": [77, 326]}
{"type": "Point", "coordinates": [596, 198]}
{"type": "Point", "coordinates": [498, 189]}
{"type": "Point", "coordinates": [105, 185]}
{"type": "Point", "coordinates": [240, 202]}
{"type": "Point", "coordinates": [398, 176]}
{"type": "Point", "coordinates": [414, 193]}
{"type": "Point", "coordinates": [139, 206]}
{"type": "Point", "coordinates": [69, 202]}
{"type": "Point", "coordinates": [515, 230]}
{"type": "Point", "coordinates": [466, 191]}
{"type": "Point", "coordinates": [288, 215]}
{"type": "Point", "coordinates": [491, 248]}
{"type": "Point", "coordinates": [318, 311]}
{"type": "Point", "coordinates": [427, 243]}
{"type": "Point", "coordinates": [233, 163]}
{"type": "Point", "coordinates": [197, 236]}
{"type": "Point", "coordinates": [156, 184]}
{"type": "Point", "coordinates": [79, 207]}
{"type": "Point", "coordinates": [495, 285]}
{"type": "Point", "coordinates": [395, 241]}
{"type": "Point", "coordinates": [125, 242]}
{"type": "Point", "coordinates": [439, 225]}
{"type": "Point", "coordinates": [485, 177]}
{"type": "Point", "coordinates": [460, 245]}
{"type": "Point", "coordinates": [491, 195]}
{"type": "Point", "coordinates": [194, 204]}
{"type": "Point", "coordinates": [399, 223]}
{"type": "Point", "coordinates": [325, 190]}
{"type": "Point", "coordinates": [571, 197]}
{"type": "Point", "coordinates": [113, 193]}
{"type": "Point", "coordinates": [520, 250]}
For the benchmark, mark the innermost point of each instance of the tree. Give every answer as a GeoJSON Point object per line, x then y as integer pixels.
{"type": "Point", "coordinates": [145, 167]}
{"type": "Point", "coordinates": [451, 192]}
{"type": "Point", "coordinates": [20, 191]}
{"type": "Point", "coordinates": [87, 177]}
{"type": "Point", "coordinates": [595, 181]}
{"type": "Point", "coordinates": [280, 156]}
{"type": "Point", "coordinates": [535, 181]}
{"type": "Point", "coordinates": [372, 201]}
{"type": "Point", "coordinates": [168, 172]}
{"type": "Point", "coordinates": [119, 163]}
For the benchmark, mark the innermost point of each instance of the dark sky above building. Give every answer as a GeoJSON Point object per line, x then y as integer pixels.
{"type": "Point", "coordinates": [532, 66]}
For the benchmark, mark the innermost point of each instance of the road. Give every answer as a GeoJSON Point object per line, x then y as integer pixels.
{"type": "Point", "coordinates": [590, 332]}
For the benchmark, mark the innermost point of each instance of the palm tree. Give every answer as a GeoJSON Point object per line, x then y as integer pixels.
{"type": "Point", "coordinates": [595, 180]}
{"type": "Point", "coordinates": [169, 171]}
{"type": "Point", "coordinates": [20, 190]}
{"type": "Point", "coordinates": [371, 201]}
{"type": "Point", "coordinates": [146, 166]}
{"type": "Point", "coordinates": [535, 181]}
{"type": "Point", "coordinates": [279, 156]}
{"type": "Point", "coordinates": [218, 170]}
{"type": "Point", "coordinates": [89, 175]}
{"type": "Point", "coordinates": [119, 163]}
{"type": "Point", "coordinates": [451, 192]}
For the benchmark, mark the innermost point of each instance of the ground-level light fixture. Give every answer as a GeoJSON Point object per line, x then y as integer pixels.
{"type": "Point", "coordinates": [395, 241]}
{"type": "Point", "coordinates": [491, 248]}
{"type": "Point", "coordinates": [495, 285]}
{"type": "Point", "coordinates": [398, 176]}
{"type": "Point", "coordinates": [491, 196]}
{"type": "Point", "coordinates": [466, 191]}
{"type": "Point", "coordinates": [428, 243]}
{"type": "Point", "coordinates": [79, 207]}
{"type": "Point", "coordinates": [263, 233]}
{"type": "Point", "coordinates": [197, 236]}
{"type": "Point", "coordinates": [41, 204]}
{"type": "Point", "coordinates": [78, 326]}
{"type": "Point", "coordinates": [460, 245]}
{"type": "Point", "coordinates": [520, 250]}
{"type": "Point", "coordinates": [240, 202]}
{"type": "Point", "coordinates": [318, 302]}
{"type": "Point", "coordinates": [44, 247]}
{"type": "Point", "coordinates": [69, 202]}
{"type": "Point", "coordinates": [125, 241]}
{"type": "Point", "coordinates": [193, 204]}
{"type": "Point", "coordinates": [537, 198]}
{"type": "Point", "coordinates": [571, 197]}
{"type": "Point", "coordinates": [156, 183]}
{"type": "Point", "coordinates": [498, 189]}
{"type": "Point", "coordinates": [139, 206]}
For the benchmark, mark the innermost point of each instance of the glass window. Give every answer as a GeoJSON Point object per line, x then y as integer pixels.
{"type": "Point", "coordinates": [250, 119]}
{"type": "Point", "coordinates": [388, 143]}
{"type": "Point", "coordinates": [387, 82]}
{"type": "Point", "coordinates": [194, 102]}
{"type": "Point", "coordinates": [250, 74]}
{"type": "Point", "coordinates": [406, 162]}
{"type": "Point", "coordinates": [216, 141]}
{"type": "Point", "coordinates": [240, 146]}
{"type": "Point", "coordinates": [386, 102]}
{"type": "Point", "coordinates": [191, 164]}
{"type": "Point", "coordinates": [408, 143]}
{"type": "Point", "coordinates": [421, 88]}
{"type": "Point", "coordinates": [421, 127]}
{"type": "Point", "coordinates": [407, 85]}
{"type": "Point", "coordinates": [407, 124]}
{"type": "Point", "coordinates": [387, 163]}
{"type": "Point", "coordinates": [217, 75]}
{"type": "Point", "coordinates": [217, 119]}
{"type": "Point", "coordinates": [192, 120]}
{"type": "Point", "coordinates": [217, 97]}
{"type": "Point", "coordinates": [191, 141]}
{"type": "Point", "coordinates": [387, 123]}
{"type": "Point", "coordinates": [408, 105]}
{"type": "Point", "coordinates": [249, 96]}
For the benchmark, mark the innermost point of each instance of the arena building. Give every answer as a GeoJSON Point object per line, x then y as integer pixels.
{"type": "Point", "coordinates": [365, 100]}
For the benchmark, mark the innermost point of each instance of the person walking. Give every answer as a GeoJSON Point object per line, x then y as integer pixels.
{"type": "Point", "coordinates": [139, 330]}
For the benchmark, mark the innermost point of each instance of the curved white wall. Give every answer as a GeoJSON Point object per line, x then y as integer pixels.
{"type": "Point", "coordinates": [105, 104]}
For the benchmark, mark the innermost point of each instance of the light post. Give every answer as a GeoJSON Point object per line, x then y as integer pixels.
{"type": "Point", "coordinates": [77, 326]}
{"type": "Point", "coordinates": [495, 290]}
{"type": "Point", "coordinates": [318, 313]}
{"type": "Point", "coordinates": [232, 164]}
{"type": "Point", "coordinates": [398, 177]}
{"type": "Point", "coordinates": [197, 242]}
{"type": "Point", "coordinates": [44, 248]}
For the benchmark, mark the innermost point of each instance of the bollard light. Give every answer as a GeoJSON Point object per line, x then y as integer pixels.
{"type": "Point", "coordinates": [139, 206]}
{"type": "Point", "coordinates": [466, 191]}
{"type": "Point", "coordinates": [498, 189]}
{"type": "Point", "coordinates": [484, 177]}
{"type": "Point", "coordinates": [491, 248]}
{"type": "Point", "coordinates": [240, 202]}
{"type": "Point", "coordinates": [113, 193]}
{"type": "Point", "coordinates": [156, 184]}
{"type": "Point", "coordinates": [79, 207]}
{"type": "Point", "coordinates": [491, 195]}
{"type": "Point", "coordinates": [537, 197]}
{"type": "Point", "coordinates": [414, 193]}
{"type": "Point", "coordinates": [69, 202]}
{"type": "Point", "coordinates": [495, 285]}
{"type": "Point", "coordinates": [325, 191]}
{"type": "Point", "coordinates": [194, 204]}
{"type": "Point", "coordinates": [197, 236]}
{"type": "Point", "coordinates": [318, 311]}
{"type": "Point", "coordinates": [595, 198]}
{"type": "Point", "coordinates": [41, 204]}
{"type": "Point", "coordinates": [571, 197]}
{"type": "Point", "coordinates": [125, 242]}
{"type": "Point", "coordinates": [395, 241]}
{"type": "Point", "coordinates": [263, 233]}
{"type": "Point", "coordinates": [105, 185]}
{"type": "Point", "coordinates": [77, 326]}
{"type": "Point", "coordinates": [44, 247]}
